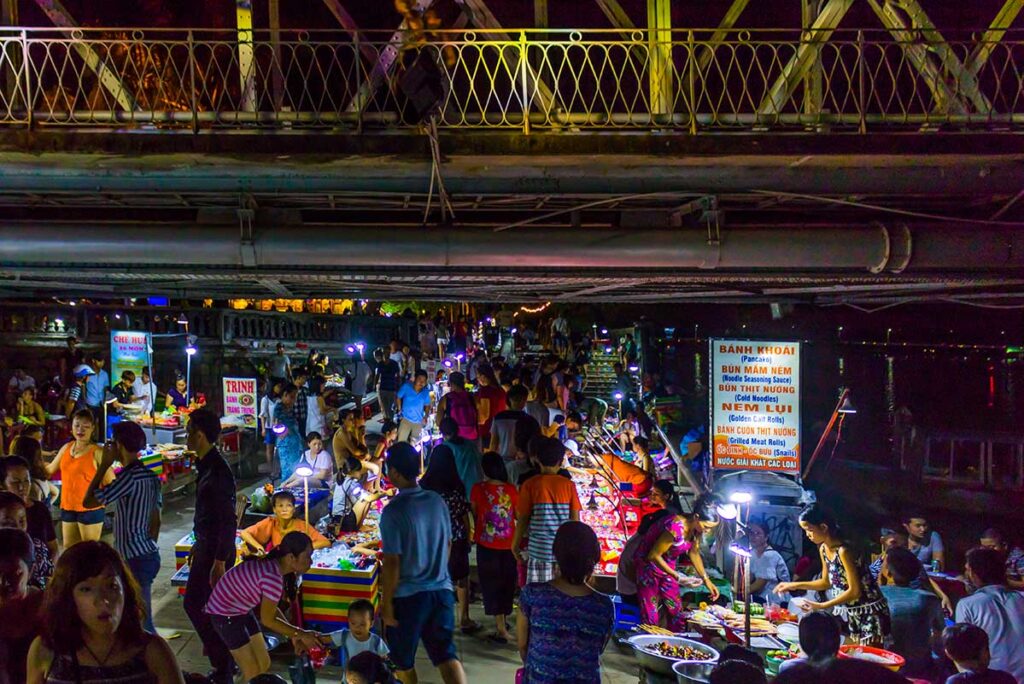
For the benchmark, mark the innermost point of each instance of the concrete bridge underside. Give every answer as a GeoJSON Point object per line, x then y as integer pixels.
{"type": "Point", "coordinates": [584, 216]}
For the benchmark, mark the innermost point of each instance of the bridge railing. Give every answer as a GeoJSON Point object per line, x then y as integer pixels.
{"type": "Point", "coordinates": [689, 81]}
{"type": "Point", "coordinates": [988, 460]}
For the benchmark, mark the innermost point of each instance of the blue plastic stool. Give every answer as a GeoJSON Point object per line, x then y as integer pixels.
{"type": "Point", "coordinates": [626, 616]}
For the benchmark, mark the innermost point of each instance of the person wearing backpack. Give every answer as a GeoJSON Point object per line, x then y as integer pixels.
{"type": "Point", "coordinates": [357, 638]}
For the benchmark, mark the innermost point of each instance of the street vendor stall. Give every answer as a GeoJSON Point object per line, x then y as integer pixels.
{"type": "Point", "coordinates": [604, 510]}
{"type": "Point", "coordinates": [340, 576]}
{"type": "Point", "coordinates": [337, 577]}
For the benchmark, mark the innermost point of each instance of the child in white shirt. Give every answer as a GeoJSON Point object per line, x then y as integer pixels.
{"type": "Point", "coordinates": [358, 637]}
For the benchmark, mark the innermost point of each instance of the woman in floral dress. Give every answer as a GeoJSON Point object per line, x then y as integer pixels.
{"type": "Point", "coordinates": [852, 592]}
{"type": "Point", "coordinates": [658, 583]}
{"type": "Point", "coordinates": [291, 443]}
{"type": "Point", "coordinates": [494, 508]}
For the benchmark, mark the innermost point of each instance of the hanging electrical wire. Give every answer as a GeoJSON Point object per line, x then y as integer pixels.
{"type": "Point", "coordinates": [926, 300]}
{"type": "Point", "coordinates": [444, 200]}
{"type": "Point", "coordinates": [888, 210]}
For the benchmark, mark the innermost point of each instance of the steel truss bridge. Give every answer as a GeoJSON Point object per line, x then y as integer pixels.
{"type": "Point", "coordinates": [693, 81]}
{"type": "Point", "coordinates": [831, 164]}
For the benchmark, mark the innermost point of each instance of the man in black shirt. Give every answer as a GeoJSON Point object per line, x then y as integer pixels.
{"type": "Point", "coordinates": [389, 378]}
{"type": "Point", "coordinates": [123, 392]}
{"type": "Point", "coordinates": [71, 359]}
{"type": "Point", "coordinates": [214, 528]}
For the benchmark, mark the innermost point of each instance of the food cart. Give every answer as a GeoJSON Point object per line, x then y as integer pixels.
{"type": "Point", "coordinates": [338, 577]}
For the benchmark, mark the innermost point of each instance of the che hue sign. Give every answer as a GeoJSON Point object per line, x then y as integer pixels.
{"type": "Point", "coordinates": [755, 399]}
{"type": "Point", "coordinates": [240, 400]}
{"type": "Point", "coordinates": [129, 350]}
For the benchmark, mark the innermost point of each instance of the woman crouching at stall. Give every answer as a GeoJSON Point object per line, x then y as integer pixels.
{"type": "Point", "coordinates": [269, 532]}
{"type": "Point", "coordinates": [255, 587]}
{"type": "Point", "coordinates": [853, 594]}
{"type": "Point", "coordinates": [92, 626]}
{"type": "Point", "coordinates": [657, 580]}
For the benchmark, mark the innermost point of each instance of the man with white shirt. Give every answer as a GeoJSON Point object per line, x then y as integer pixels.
{"type": "Point", "coordinates": [995, 608]}
{"type": "Point", "coordinates": [144, 390]}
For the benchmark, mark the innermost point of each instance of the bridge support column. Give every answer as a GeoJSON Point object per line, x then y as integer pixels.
{"type": "Point", "coordinates": [661, 74]}
{"type": "Point", "coordinates": [246, 63]}
{"type": "Point", "coordinates": [11, 71]}
{"type": "Point", "coordinates": [813, 79]}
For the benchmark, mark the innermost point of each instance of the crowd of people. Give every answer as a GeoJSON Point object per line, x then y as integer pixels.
{"type": "Point", "coordinates": [499, 479]}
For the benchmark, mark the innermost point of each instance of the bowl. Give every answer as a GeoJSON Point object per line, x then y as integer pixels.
{"type": "Point", "coordinates": [688, 672]}
{"type": "Point", "coordinates": [879, 656]}
{"type": "Point", "coordinates": [663, 664]}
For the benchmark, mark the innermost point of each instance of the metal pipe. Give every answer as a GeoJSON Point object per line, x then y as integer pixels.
{"type": "Point", "coordinates": [188, 245]}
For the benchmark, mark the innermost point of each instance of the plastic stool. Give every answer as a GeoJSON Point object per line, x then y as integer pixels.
{"type": "Point", "coordinates": [627, 616]}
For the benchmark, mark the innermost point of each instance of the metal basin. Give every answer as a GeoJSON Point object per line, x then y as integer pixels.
{"type": "Point", "coordinates": [693, 673]}
{"type": "Point", "coordinates": [660, 664]}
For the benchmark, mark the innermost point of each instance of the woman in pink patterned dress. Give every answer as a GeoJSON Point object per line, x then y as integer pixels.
{"type": "Point", "coordinates": [657, 580]}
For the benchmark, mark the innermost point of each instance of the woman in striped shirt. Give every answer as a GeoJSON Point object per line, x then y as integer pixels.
{"type": "Point", "coordinates": [257, 585]}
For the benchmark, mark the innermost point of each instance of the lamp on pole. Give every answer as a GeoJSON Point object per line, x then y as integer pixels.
{"type": "Point", "coordinates": [190, 351]}
{"type": "Point", "coordinates": [305, 472]}
{"type": "Point", "coordinates": [278, 430]}
{"type": "Point", "coordinates": [740, 547]}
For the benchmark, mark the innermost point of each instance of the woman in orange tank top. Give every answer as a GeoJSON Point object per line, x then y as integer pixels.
{"type": "Point", "coordinates": [77, 462]}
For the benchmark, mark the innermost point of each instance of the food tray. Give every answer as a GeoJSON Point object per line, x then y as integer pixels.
{"type": "Point", "coordinates": [663, 664]}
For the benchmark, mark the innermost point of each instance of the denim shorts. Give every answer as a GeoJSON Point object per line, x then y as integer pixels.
{"type": "Point", "coordinates": [93, 517]}
{"type": "Point", "coordinates": [427, 615]}
{"type": "Point", "coordinates": [237, 630]}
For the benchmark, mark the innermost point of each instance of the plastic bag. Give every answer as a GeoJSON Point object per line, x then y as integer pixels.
{"type": "Point", "coordinates": [301, 670]}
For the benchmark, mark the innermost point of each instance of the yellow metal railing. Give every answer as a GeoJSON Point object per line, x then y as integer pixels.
{"type": "Point", "coordinates": [523, 80]}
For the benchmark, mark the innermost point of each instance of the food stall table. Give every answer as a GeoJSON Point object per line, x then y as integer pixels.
{"type": "Point", "coordinates": [604, 512]}
{"type": "Point", "coordinates": [183, 548]}
{"type": "Point", "coordinates": [327, 592]}
{"type": "Point", "coordinates": [331, 586]}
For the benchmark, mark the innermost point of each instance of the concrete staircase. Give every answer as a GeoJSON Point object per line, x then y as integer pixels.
{"type": "Point", "coordinates": [601, 375]}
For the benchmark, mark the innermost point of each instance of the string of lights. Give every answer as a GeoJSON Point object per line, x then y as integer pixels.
{"type": "Point", "coordinates": [539, 309]}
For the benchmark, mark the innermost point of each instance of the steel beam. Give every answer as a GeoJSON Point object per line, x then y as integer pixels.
{"type": "Point", "coordinates": [625, 284]}
{"type": "Point", "coordinates": [111, 82]}
{"type": "Point", "coordinates": [384, 62]}
{"type": "Point", "coordinates": [246, 63]}
{"type": "Point", "coordinates": [349, 24]}
{"type": "Point", "coordinates": [540, 13]}
{"type": "Point", "coordinates": [813, 80]}
{"type": "Point", "coordinates": [276, 75]}
{"type": "Point", "coordinates": [966, 82]}
{"type": "Point", "coordinates": [480, 14]}
{"type": "Point", "coordinates": [661, 82]}
{"type": "Point", "coordinates": [732, 15]}
{"type": "Point", "coordinates": [276, 287]}
{"type": "Point", "coordinates": [996, 30]}
{"type": "Point", "coordinates": [12, 68]}
{"type": "Point", "coordinates": [616, 15]}
{"type": "Point", "coordinates": [806, 56]}
{"type": "Point", "coordinates": [947, 98]}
